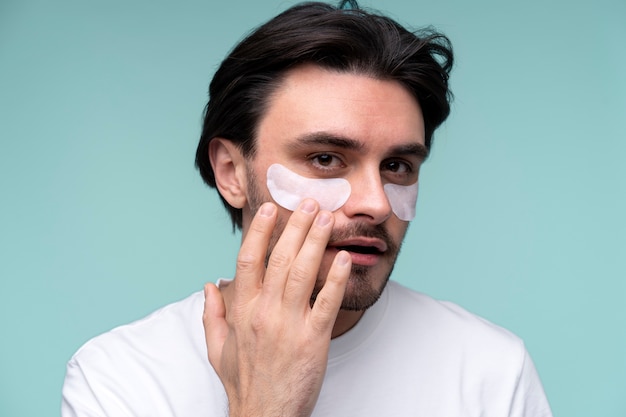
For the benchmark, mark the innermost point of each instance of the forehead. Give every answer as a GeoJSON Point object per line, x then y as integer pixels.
{"type": "Point", "coordinates": [312, 99]}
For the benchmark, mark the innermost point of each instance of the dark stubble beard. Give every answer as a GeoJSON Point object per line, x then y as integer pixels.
{"type": "Point", "coordinates": [361, 293]}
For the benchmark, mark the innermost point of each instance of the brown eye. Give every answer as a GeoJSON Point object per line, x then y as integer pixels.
{"type": "Point", "coordinates": [397, 167]}
{"type": "Point", "coordinates": [324, 159]}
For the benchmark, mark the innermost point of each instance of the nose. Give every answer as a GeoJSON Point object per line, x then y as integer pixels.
{"type": "Point", "coordinates": [368, 200]}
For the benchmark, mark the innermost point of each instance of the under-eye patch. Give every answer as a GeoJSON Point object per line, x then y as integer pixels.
{"type": "Point", "coordinates": [288, 189]}
{"type": "Point", "coordinates": [402, 199]}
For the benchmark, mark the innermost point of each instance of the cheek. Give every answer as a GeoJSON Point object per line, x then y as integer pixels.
{"type": "Point", "coordinates": [288, 189]}
{"type": "Point", "coordinates": [402, 199]}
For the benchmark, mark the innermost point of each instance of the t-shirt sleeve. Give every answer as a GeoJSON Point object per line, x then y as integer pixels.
{"type": "Point", "coordinates": [79, 399]}
{"type": "Point", "coordinates": [529, 398]}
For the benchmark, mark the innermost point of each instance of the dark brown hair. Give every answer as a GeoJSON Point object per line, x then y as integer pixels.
{"type": "Point", "coordinates": [343, 38]}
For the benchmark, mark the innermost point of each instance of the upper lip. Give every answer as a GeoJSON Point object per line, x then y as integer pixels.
{"type": "Point", "coordinates": [377, 244]}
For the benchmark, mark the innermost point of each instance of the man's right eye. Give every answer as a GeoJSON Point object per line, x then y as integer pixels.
{"type": "Point", "coordinates": [326, 161]}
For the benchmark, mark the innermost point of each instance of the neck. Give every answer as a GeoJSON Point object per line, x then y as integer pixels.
{"type": "Point", "coordinates": [345, 321]}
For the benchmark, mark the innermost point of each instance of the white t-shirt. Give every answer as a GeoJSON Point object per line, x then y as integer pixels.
{"type": "Point", "coordinates": [409, 355]}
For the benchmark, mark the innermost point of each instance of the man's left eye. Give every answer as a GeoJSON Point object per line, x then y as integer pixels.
{"type": "Point", "coordinates": [397, 167]}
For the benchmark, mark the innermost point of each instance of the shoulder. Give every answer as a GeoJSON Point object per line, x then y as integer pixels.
{"type": "Point", "coordinates": [438, 323]}
{"type": "Point", "coordinates": [156, 363]}
{"type": "Point", "coordinates": [440, 359]}
{"type": "Point", "coordinates": [155, 332]}
{"type": "Point", "coordinates": [415, 303]}
{"type": "Point", "coordinates": [466, 350]}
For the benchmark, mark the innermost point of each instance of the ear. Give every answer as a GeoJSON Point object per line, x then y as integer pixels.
{"type": "Point", "coordinates": [230, 171]}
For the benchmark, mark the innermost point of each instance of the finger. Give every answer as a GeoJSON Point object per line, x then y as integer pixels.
{"type": "Point", "coordinates": [304, 271]}
{"type": "Point", "coordinates": [250, 267]}
{"type": "Point", "coordinates": [287, 248]}
{"type": "Point", "coordinates": [214, 321]}
{"type": "Point", "coordinates": [328, 301]}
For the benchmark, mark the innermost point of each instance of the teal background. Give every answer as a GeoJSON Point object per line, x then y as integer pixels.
{"type": "Point", "coordinates": [104, 218]}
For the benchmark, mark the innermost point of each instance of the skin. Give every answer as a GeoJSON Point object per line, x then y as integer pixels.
{"type": "Point", "coordinates": [269, 331]}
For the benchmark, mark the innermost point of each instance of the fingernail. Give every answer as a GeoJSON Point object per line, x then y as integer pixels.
{"type": "Point", "coordinates": [343, 258]}
{"type": "Point", "coordinates": [267, 210]}
{"type": "Point", "coordinates": [323, 218]}
{"type": "Point", "coordinates": [307, 206]}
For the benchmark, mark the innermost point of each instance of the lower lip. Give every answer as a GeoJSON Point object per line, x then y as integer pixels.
{"type": "Point", "coordinates": [363, 259]}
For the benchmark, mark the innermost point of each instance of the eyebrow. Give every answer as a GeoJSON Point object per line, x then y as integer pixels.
{"type": "Point", "coordinates": [413, 149]}
{"type": "Point", "coordinates": [324, 138]}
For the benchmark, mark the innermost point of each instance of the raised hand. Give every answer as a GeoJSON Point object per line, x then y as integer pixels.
{"type": "Point", "coordinates": [268, 345]}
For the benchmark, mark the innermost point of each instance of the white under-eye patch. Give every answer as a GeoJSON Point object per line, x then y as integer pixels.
{"type": "Point", "coordinates": [402, 199]}
{"type": "Point", "coordinates": [288, 189]}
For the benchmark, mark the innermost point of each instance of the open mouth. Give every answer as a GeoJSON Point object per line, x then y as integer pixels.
{"type": "Point", "coordinates": [366, 250]}
{"type": "Point", "coordinates": [365, 254]}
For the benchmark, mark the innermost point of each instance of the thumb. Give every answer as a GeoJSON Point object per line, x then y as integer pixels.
{"type": "Point", "coordinates": [214, 321]}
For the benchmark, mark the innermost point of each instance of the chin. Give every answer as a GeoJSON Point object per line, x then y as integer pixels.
{"type": "Point", "coordinates": [362, 290]}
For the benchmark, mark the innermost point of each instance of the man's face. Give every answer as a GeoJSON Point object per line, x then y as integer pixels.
{"type": "Point", "coordinates": [324, 124]}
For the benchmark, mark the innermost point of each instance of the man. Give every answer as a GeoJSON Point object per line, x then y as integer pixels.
{"type": "Point", "coordinates": [314, 135]}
